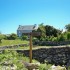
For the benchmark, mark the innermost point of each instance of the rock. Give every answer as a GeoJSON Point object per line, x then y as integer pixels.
{"type": "Point", "coordinates": [31, 66]}
{"type": "Point", "coordinates": [53, 67]}
{"type": "Point", "coordinates": [13, 67]}
{"type": "Point", "coordinates": [5, 68]}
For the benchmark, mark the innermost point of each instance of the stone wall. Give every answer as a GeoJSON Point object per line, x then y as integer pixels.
{"type": "Point", "coordinates": [13, 46]}
{"type": "Point", "coordinates": [59, 55]}
{"type": "Point", "coordinates": [51, 43]}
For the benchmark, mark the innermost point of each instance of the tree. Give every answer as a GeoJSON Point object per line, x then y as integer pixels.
{"type": "Point", "coordinates": [51, 31]}
{"type": "Point", "coordinates": [61, 37]}
{"type": "Point", "coordinates": [24, 37]}
{"type": "Point", "coordinates": [0, 32]}
{"type": "Point", "coordinates": [68, 35]}
{"type": "Point", "coordinates": [67, 27]}
{"type": "Point", "coordinates": [1, 37]}
{"type": "Point", "coordinates": [41, 29]}
{"type": "Point", "coordinates": [12, 36]}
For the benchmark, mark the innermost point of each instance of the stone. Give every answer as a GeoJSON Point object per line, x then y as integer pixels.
{"type": "Point", "coordinates": [53, 67]}
{"type": "Point", "coordinates": [31, 66]}
{"type": "Point", "coordinates": [13, 67]}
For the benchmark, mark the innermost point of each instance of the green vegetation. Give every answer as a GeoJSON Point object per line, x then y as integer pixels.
{"type": "Point", "coordinates": [11, 37]}
{"type": "Point", "coordinates": [68, 35]}
{"type": "Point", "coordinates": [23, 37]}
{"type": "Point", "coordinates": [11, 59]}
{"type": "Point", "coordinates": [67, 27]}
{"type": "Point", "coordinates": [1, 37]}
{"type": "Point", "coordinates": [44, 66]}
{"type": "Point", "coordinates": [49, 33]}
{"type": "Point", "coordinates": [12, 42]}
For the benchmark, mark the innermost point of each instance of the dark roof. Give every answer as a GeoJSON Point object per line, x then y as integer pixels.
{"type": "Point", "coordinates": [27, 27]}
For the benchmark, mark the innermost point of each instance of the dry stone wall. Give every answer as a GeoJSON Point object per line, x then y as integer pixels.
{"type": "Point", "coordinates": [58, 56]}
{"type": "Point", "coordinates": [51, 43]}
{"type": "Point", "coordinates": [13, 46]}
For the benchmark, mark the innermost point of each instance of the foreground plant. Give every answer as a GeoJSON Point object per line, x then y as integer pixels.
{"type": "Point", "coordinates": [10, 60]}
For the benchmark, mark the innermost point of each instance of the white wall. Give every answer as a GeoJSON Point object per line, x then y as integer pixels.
{"type": "Point", "coordinates": [19, 32]}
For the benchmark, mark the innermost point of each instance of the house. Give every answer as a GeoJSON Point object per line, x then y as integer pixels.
{"type": "Point", "coordinates": [26, 29]}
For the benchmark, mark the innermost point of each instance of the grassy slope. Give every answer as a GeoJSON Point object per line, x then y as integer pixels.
{"type": "Point", "coordinates": [12, 57]}
{"type": "Point", "coordinates": [12, 42]}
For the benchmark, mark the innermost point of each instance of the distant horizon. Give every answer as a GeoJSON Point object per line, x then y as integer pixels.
{"type": "Point", "coordinates": [13, 13]}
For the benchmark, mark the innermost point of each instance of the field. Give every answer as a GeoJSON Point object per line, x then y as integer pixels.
{"type": "Point", "coordinates": [15, 42]}
{"type": "Point", "coordinates": [12, 42]}
{"type": "Point", "coordinates": [18, 41]}
{"type": "Point", "coordinates": [10, 57]}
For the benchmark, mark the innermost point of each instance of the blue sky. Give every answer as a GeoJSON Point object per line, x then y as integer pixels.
{"type": "Point", "coordinates": [28, 12]}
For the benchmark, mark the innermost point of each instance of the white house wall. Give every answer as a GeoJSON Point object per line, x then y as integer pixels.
{"type": "Point", "coordinates": [20, 32]}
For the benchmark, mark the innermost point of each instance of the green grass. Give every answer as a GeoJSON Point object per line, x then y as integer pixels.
{"type": "Point", "coordinates": [12, 57]}
{"type": "Point", "coordinates": [12, 42]}
{"type": "Point", "coordinates": [45, 66]}
{"type": "Point", "coordinates": [18, 41]}
{"type": "Point", "coordinates": [9, 57]}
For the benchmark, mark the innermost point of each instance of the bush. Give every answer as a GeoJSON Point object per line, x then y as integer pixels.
{"type": "Point", "coordinates": [68, 35]}
{"type": "Point", "coordinates": [1, 37]}
{"type": "Point", "coordinates": [47, 38]}
{"type": "Point", "coordinates": [54, 39]}
{"type": "Point", "coordinates": [61, 37]}
{"type": "Point", "coordinates": [23, 37]}
{"type": "Point", "coordinates": [34, 39]}
{"type": "Point", "coordinates": [50, 38]}
{"type": "Point", "coordinates": [44, 66]}
{"type": "Point", "coordinates": [9, 58]}
{"type": "Point", "coordinates": [12, 37]}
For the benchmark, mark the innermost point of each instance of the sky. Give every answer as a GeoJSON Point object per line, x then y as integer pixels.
{"type": "Point", "coordinates": [29, 12]}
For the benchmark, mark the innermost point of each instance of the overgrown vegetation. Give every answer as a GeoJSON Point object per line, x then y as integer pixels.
{"type": "Point", "coordinates": [49, 33]}
{"type": "Point", "coordinates": [11, 59]}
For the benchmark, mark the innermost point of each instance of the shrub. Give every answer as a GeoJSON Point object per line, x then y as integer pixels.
{"type": "Point", "coordinates": [34, 39]}
{"type": "Point", "coordinates": [1, 37]}
{"type": "Point", "coordinates": [54, 39]}
{"type": "Point", "coordinates": [12, 37]}
{"type": "Point", "coordinates": [61, 37]}
{"type": "Point", "coordinates": [9, 57]}
{"type": "Point", "coordinates": [47, 38]}
{"type": "Point", "coordinates": [68, 35]}
{"type": "Point", "coordinates": [42, 67]}
{"type": "Point", "coordinates": [23, 37]}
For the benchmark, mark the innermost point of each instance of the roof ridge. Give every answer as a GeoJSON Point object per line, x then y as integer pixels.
{"type": "Point", "coordinates": [27, 25]}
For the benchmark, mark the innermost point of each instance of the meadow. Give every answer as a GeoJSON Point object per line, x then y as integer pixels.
{"type": "Point", "coordinates": [10, 57]}
{"type": "Point", "coordinates": [13, 42]}
{"type": "Point", "coordinates": [17, 42]}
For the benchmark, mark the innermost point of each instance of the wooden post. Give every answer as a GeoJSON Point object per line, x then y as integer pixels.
{"type": "Point", "coordinates": [30, 48]}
